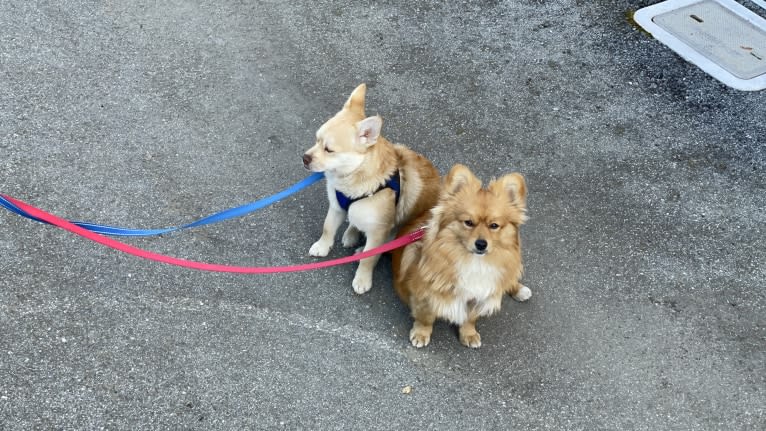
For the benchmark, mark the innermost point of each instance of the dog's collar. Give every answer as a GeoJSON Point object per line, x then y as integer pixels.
{"type": "Point", "coordinates": [392, 183]}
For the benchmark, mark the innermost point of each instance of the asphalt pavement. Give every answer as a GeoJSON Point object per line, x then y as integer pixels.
{"type": "Point", "coordinates": [645, 249]}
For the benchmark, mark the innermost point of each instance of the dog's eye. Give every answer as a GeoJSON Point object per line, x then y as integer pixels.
{"type": "Point", "coordinates": [468, 223]}
{"type": "Point", "coordinates": [327, 149]}
{"type": "Point", "coordinates": [494, 226]}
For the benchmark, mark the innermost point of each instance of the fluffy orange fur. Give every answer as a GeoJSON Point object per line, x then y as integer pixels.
{"type": "Point", "coordinates": [469, 258]}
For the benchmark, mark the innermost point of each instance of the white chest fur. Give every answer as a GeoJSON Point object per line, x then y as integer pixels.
{"type": "Point", "coordinates": [475, 289]}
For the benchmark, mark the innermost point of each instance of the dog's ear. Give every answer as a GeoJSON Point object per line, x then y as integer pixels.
{"type": "Point", "coordinates": [458, 178]}
{"type": "Point", "coordinates": [513, 186]}
{"type": "Point", "coordinates": [368, 130]}
{"type": "Point", "coordinates": [355, 102]}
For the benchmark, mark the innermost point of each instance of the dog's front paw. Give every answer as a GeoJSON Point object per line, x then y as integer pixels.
{"type": "Point", "coordinates": [420, 338]}
{"type": "Point", "coordinates": [350, 237]}
{"type": "Point", "coordinates": [320, 249]}
{"type": "Point", "coordinates": [362, 283]}
{"type": "Point", "coordinates": [523, 294]}
{"type": "Point", "coordinates": [472, 340]}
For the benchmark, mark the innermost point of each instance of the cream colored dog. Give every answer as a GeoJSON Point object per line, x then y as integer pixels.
{"type": "Point", "coordinates": [378, 185]}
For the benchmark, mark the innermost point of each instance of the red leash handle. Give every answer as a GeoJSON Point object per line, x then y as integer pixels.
{"type": "Point", "coordinates": [129, 249]}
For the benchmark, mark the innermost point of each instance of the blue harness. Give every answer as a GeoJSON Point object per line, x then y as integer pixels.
{"type": "Point", "coordinates": [391, 183]}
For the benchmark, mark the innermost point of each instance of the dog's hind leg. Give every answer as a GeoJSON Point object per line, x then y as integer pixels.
{"type": "Point", "coordinates": [350, 236]}
{"type": "Point", "coordinates": [522, 294]}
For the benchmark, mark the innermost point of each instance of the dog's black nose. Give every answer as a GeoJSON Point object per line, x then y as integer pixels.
{"type": "Point", "coordinates": [480, 244]}
{"type": "Point", "coordinates": [306, 160]}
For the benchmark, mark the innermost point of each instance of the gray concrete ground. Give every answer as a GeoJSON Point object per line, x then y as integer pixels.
{"type": "Point", "coordinates": [645, 249]}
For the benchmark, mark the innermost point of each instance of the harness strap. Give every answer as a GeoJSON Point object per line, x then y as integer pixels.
{"type": "Point", "coordinates": [392, 183]}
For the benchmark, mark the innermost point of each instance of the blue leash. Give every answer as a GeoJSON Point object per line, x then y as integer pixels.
{"type": "Point", "coordinates": [215, 218]}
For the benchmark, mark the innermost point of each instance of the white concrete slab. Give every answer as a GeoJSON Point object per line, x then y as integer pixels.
{"type": "Point", "coordinates": [723, 38]}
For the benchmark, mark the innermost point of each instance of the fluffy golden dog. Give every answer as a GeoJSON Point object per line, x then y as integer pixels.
{"type": "Point", "coordinates": [469, 257]}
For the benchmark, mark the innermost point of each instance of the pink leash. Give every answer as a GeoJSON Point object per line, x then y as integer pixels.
{"type": "Point", "coordinates": [125, 248]}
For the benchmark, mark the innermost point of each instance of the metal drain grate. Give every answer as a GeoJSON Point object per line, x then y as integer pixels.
{"type": "Point", "coordinates": [722, 37]}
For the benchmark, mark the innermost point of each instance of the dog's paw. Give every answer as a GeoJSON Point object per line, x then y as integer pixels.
{"type": "Point", "coordinates": [472, 340]}
{"type": "Point", "coordinates": [320, 249]}
{"type": "Point", "coordinates": [419, 338]}
{"type": "Point", "coordinates": [523, 294]}
{"type": "Point", "coordinates": [350, 237]}
{"type": "Point", "coordinates": [362, 283]}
